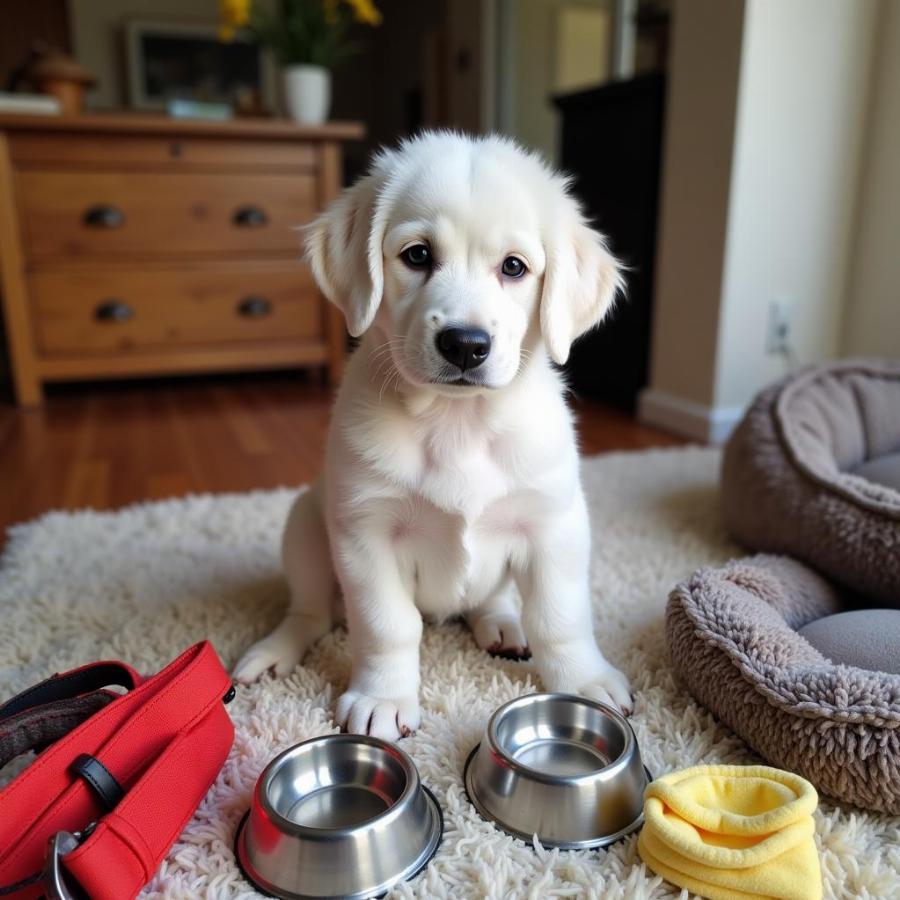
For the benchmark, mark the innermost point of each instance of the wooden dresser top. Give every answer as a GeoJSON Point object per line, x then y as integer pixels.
{"type": "Point", "coordinates": [137, 124]}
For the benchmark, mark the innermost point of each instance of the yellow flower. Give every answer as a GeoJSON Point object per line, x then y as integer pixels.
{"type": "Point", "coordinates": [234, 14]}
{"type": "Point", "coordinates": [365, 11]}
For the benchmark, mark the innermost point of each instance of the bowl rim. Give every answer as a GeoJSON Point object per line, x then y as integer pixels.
{"type": "Point", "coordinates": [597, 843]}
{"type": "Point", "coordinates": [312, 832]}
{"type": "Point", "coordinates": [533, 774]}
{"type": "Point", "coordinates": [409, 872]}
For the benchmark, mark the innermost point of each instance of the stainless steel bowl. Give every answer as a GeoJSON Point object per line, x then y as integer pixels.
{"type": "Point", "coordinates": [338, 816]}
{"type": "Point", "coordinates": [559, 766]}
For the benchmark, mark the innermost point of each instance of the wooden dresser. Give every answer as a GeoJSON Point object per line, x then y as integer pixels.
{"type": "Point", "coordinates": [136, 245]}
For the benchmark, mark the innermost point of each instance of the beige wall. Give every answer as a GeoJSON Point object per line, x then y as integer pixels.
{"type": "Point", "coordinates": [801, 103]}
{"type": "Point", "coordinates": [872, 310]}
{"type": "Point", "coordinates": [701, 111]}
{"type": "Point", "coordinates": [763, 150]}
{"type": "Point", "coordinates": [98, 42]}
{"type": "Point", "coordinates": [527, 46]}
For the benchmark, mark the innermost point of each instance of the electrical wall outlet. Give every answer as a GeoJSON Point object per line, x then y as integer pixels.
{"type": "Point", "coordinates": [778, 328]}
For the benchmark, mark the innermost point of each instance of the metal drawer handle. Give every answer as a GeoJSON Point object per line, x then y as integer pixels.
{"type": "Point", "coordinates": [250, 217]}
{"type": "Point", "coordinates": [104, 216]}
{"type": "Point", "coordinates": [113, 311]}
{"type": "Point", "coordinates": [254, 307]}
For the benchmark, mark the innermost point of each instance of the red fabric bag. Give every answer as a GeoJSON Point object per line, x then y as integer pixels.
{"type": "Point", "coordinates": [122, 774]}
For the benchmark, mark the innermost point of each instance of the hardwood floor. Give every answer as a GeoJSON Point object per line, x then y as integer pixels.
{"type": "Point", "coordinates": [108, 445]}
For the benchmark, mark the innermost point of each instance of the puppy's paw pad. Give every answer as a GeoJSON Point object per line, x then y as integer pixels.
{"type": "Point", "coordinates": [275, 654]}
{"type": "Point", "coordinates": [501, 636]}
{"type": "Point", "coordinates": [610, 687]}
{"type": "Point", "coordinates": [388, 719]}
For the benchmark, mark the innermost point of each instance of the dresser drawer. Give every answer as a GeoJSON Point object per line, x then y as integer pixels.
{"type": "Point", "coordinates": [82, 214]}
{"type": "Point", "coordinates": [116, 311]}
{"type": "Point", "coordinates": [120, 151]}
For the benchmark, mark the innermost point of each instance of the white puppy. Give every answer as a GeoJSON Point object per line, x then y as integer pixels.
{"type": "Point", "coordinates": [451, 471]}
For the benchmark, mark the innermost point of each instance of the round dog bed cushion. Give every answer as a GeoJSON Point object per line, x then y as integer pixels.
{"type": "Point", "coordinates": [882, 470]}
{"type": "Point", "coordinates": [733, 640]}
{"type": "Point", "coordinates": [793, 474]}
{"type": "Point", "coordinates": [866, 638]}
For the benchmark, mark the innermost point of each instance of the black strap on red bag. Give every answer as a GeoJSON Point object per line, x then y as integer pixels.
{"type": "Point", "coordinates": [117, 778]}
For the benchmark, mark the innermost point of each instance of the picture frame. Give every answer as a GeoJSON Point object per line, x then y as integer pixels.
{"type": "Point", "coordinates": [169, 61]}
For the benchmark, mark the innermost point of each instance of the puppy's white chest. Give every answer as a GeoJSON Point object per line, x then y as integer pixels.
{"type": "Point", "coordinates": [458, 557]}
{"type": "Point", "coordinates": [455, 563]}
{"type": "Point", "coordinates": [463, 480]}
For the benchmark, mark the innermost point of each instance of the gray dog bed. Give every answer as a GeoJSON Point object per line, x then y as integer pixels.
{"type": "Point", "coordinates": [813, 471]}
{"type": "Point", "coordinates": [733, 638]}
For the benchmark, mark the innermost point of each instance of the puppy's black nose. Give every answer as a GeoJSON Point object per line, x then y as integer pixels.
{"type": "Point", "coordinates": [466, 348]}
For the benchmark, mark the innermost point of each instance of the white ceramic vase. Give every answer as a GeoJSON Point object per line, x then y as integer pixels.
{"type": "Point", "coordinates": [307, 93]}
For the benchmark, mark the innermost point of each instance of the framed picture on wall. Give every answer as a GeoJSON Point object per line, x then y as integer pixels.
{"type": "Point", "coordinates": [170, 61]}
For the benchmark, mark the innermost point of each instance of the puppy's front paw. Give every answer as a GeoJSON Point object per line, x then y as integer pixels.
{"type": "Point", "coordinates": [388, 719]}
{"type": "Point", "coordinates": [281, 652]}
{"type": "Point", "coordinates": [610, 687]}
{"type": "Point", "coordinates": [501, 635]}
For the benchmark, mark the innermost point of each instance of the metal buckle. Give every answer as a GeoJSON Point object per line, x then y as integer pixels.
{"type": "Point", "coordinates": [61, 844]}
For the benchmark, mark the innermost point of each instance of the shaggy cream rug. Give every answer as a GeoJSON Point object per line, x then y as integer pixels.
{"type": "Point", "coordinates": [144, 583]}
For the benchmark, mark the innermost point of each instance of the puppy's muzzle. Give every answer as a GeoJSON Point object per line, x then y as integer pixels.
{"type": "Point", "coordinates": [465, 348]}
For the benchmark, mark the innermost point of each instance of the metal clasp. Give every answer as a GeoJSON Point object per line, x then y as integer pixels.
{"type": "Point", "coordinates": [61, 844]}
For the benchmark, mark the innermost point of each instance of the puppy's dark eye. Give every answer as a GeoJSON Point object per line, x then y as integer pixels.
{"type": "Point", "coordinates": [513, 267]}
{"type": "Point", "coordinates": [417, 257]}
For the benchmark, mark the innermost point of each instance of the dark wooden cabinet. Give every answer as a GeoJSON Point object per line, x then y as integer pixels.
{"type": "Point", "coordinates": [611, 144]}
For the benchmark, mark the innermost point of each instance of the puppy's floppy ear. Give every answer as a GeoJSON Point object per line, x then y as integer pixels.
{"type": "Point", "coordinates": [581, 281]}
{"type": "Point", "coordinates": [343, 247]}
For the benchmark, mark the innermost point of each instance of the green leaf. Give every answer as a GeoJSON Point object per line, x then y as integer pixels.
{"type": "Point", "coordinates": [298, 32]}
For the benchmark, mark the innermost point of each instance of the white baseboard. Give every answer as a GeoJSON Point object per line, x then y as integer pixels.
{"type": "Point", "coordinates": [707, 424]}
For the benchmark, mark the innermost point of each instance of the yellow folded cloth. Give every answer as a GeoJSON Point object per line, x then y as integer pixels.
{"type": "Point", "coordinates": [733, 833]}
